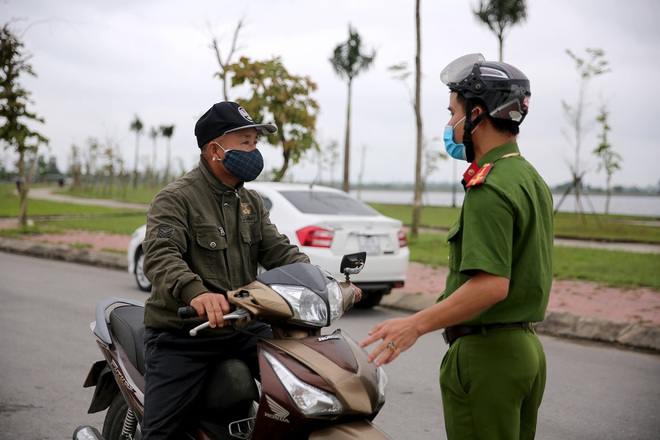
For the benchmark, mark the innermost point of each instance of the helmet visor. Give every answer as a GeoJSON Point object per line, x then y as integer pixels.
{"type": "Point", "coordinates": [460, 68]}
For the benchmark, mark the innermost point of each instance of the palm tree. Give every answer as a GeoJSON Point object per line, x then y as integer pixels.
{"type": "Point", "coordinates": [499, 15]}
{"type": "Point", "coordinates": [136, 126]}
{"type": "Point", "coordinates": [167, 131]}
{"type": "Point", "coordinates": [349, 60]}
{"type": "Point", "coordinates": [153, 134]}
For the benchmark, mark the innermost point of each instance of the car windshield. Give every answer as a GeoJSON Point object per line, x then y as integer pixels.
{"type": "Point", "coordinates": [322, 202]}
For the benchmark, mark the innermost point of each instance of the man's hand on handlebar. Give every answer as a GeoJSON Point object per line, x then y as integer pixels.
{"type": "Point", "coordinates": [211, 306]}
{"type": "Point", "coordinates": [358, 293]}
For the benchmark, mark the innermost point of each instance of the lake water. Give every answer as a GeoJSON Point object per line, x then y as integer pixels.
{"type": "Point", "coordinates": [648, 206]}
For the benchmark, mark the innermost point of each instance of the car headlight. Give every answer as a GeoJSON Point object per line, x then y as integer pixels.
{"type": "Point", "coordinates": [308, 307]}
{"type": "Point", "coordinates": [310, 400]}
{"type": "Point", "coordinates": [382, 385]}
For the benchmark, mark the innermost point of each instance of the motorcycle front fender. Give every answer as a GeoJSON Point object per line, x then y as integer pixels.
{"type": "Point", "coordinates": [360, 430]}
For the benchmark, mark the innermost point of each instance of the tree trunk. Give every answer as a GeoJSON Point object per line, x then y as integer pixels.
{"type": "Point", "coordinates": [609, 194]}
{"type": "Point", "coordinates": [347, 141]}
{"type": "Point", "coordinates": [135, 166]}
{"type": "Point", "coordinates": [286, 155]}
{"type": "Point", "coordinates": [166, 179]}
{"type": "Point", "coordinates": [417, 205]}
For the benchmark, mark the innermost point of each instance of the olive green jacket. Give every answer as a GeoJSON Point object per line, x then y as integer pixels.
{"type": "Point", "coordinates": [205, 236]}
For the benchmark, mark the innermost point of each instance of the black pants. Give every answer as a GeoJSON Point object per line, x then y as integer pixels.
{"type": "Point", "coordinates": [176, 367]}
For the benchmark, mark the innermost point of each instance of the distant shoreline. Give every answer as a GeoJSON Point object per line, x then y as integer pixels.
{"type": "Point", "coordinates": [643, 205]}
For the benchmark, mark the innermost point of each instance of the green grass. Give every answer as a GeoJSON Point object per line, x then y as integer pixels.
{"type": "Point", "coordinates": [614, 268]}
{"type": "Point", "coordinates": [142, 194]}
{"type": "Point", "coordinates": [567, 225]}
{"type": "Point", "coordinates": [632, 269]}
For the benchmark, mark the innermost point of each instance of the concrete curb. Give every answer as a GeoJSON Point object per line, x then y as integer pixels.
{"type": "Point", "coordinates": [560, 324]}
{"type": "Point", "coordinates": [64, 253]}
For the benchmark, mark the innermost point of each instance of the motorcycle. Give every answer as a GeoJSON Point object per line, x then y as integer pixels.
{"type": "Point", "coordinates": [312, 386]}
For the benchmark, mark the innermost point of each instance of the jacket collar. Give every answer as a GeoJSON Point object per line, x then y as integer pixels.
{"type": "Point", "coordinates": [498, 152]}
{"type": "Point", "coordinates": [490, 157]}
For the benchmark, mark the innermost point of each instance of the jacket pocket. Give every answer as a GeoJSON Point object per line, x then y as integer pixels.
{"type": "Point", "coordinates": [207, 260]}
{"type": "Point", "coordinates": [252, 238]}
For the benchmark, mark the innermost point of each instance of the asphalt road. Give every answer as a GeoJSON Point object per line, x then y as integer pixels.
{"type": "Point", "coordinates": [46, 349]}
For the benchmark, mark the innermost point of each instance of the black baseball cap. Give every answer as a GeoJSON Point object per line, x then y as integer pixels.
{"type": "Point", "coordinates": [225, 117]}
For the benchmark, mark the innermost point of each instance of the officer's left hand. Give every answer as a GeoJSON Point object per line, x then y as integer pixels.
{"type": "Point", "coordinates": [397, 335]}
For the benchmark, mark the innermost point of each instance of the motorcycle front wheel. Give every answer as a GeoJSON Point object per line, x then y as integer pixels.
{"type": "Point", "coordinates": [113, 424]}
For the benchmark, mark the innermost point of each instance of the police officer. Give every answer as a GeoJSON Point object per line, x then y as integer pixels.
{"type": "Point", "coordinates": [492, 377]}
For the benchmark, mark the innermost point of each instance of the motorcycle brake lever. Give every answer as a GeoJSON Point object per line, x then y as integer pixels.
{"type": "Point", "coordinates": [237, 315]}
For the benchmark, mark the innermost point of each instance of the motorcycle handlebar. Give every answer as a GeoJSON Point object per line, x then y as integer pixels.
{"type": "Point", "coordinates": [187, 312]}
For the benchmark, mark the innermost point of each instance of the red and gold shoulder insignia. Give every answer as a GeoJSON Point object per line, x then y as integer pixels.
{"type": "Point", "coordinates": [480, 177]}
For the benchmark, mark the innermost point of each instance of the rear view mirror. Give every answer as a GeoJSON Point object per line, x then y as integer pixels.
{"type": "Point", "coordinates": [352, 264]}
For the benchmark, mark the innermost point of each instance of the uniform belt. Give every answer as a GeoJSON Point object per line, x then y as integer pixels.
{"type": "Point", "coordinates": [452, 333]}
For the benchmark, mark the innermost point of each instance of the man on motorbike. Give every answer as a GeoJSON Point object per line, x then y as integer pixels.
{"type": "Point", "coordinates": [206, 234]}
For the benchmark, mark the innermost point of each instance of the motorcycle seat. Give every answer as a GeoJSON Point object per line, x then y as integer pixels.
{"type": "Point", "coordinates": [127, 324]}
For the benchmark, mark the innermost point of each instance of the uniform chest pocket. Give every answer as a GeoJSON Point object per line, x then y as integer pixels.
{"type": "Point", "coordinates": [454, 238]}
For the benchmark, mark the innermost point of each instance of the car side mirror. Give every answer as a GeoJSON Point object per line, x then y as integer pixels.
{"type": "Point", "coordinates": [352, 264]}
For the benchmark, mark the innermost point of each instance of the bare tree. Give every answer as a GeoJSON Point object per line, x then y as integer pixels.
{"type": "Point", "coordinates": [223, 64]}
{"type": "Point", "coordinates": [349, 60]}
{"type": "Point", "coordinates": [610, 160]}
{"type": "Point", "coordinates": [325, 158]}
{"type": "Point", "coordinates": [75, 168]}
{"type": "Point", "coordinates": [402, 74]}
{"type": "Point", "coordinates": [419, 181]}
{"type": "Point", "coordinates": [596, 65]}
{"type": "Point", "coordinates": [499, 15]}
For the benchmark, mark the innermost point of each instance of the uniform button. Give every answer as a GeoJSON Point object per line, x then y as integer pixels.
{"type": "Point", "coordinates": [213, 245]}
{"type": "Point", "coordinates": [225, 205]}
{"type": "Point", "coordinates": [471, 173]}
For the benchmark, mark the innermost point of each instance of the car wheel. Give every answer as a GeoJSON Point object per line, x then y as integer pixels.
{"type": "Point", "coordinates": [143, 283]}
{"type": "Point", "coordinates": [370, 298]}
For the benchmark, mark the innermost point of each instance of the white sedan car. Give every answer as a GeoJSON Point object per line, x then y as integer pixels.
{"type": "Point", "coordinates": [325, 223]}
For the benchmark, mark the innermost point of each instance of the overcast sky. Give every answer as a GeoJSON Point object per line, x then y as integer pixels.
{"type": "Point", "coordinates": [99, 63]}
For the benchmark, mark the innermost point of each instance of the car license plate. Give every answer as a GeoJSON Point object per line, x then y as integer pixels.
{"type": "Point", "coordinates": [369, 244]}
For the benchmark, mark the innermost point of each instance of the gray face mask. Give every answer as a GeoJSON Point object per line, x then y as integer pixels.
{"type": "Point", "coordinates": [244, 165]}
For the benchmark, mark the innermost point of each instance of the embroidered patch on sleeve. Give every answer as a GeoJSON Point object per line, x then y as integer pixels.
{"type": "Point", "coordinates": [165, 231]}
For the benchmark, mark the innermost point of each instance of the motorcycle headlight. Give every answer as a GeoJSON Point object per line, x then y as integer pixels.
{"type": "Point", "coordinates": [308, 307]}
{"type": "Point", "coordinates": [336, 300]}
{"type": "Point", "coordinates": [382, 385]}
{"type": "Point", "coordinates": [310, 400]}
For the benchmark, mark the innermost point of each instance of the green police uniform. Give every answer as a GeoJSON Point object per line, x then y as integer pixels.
{"type": "Point", "coordinates": [203, 235]}
{"type": "Point", "coordinates": [492, 381]}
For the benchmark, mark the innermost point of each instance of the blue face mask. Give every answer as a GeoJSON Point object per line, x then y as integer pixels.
{"type": "Point", "coordinates": [457, 151]}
